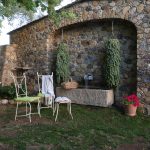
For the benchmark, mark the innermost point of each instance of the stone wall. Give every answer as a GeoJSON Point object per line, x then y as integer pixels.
{"type": "Point", "coordinates": [32, 50]}
{"type": "Point", "coordinates": [36, 40]}
{"type": "Point", "coordinates": [32, 47]}
{"type": "Point", "coordinates": [8, 61]}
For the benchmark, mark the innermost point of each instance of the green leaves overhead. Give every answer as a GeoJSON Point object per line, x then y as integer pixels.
{"type": "Point", "coordinates": [9, 8]}
{"type": "Point", "coordinates": [112, 63]}
{"type": "Point", "coordinates": [62, 63]}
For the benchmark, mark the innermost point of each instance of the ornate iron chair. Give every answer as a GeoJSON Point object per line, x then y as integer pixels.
{"type": "Point", "coordinates": [22, 96]}
{"type": "Point", "coordinates": [48, 98]}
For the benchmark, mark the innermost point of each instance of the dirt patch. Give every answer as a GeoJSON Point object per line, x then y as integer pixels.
{"type": "Point", "coordinates": [8, 133]}
{"type": "Point", "coordinates": [6, 147]}
{"type": "Point", "coordinates": [28, 147]}
{"type": "Point", "coordinates": [36, 120]}
{"type": "Point", "coordinates": [139, 144]}
{"type": "Point", "coordinates": [133, 147]}
{"type": "Point", "coordinates": [8, 124]}
{"type": "Point", "coordinates": [9, 112]}
{"type": "Point", "coordinates": [39, 147]}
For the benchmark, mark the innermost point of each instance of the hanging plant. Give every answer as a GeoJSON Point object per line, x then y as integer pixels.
{"type": "Point", "coordinates": [112, 63]}
{"type": "Point", "coordinates": [62, 63]}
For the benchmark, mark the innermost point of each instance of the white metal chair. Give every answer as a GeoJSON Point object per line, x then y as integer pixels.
{"type": "Point", "coordinates": [62, 100]}
{"type": "Point", "coordinates": [22, 96]}
{"type": "Point", "coordinates": [48, 99]}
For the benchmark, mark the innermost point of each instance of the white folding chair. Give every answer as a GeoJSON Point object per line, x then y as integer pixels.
{"type": "Point", "coordinates": [49, 100]}
{"type": "Point", "coordinates": [22, 96]}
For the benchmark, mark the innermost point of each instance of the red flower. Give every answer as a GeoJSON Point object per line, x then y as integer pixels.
{"type": "Point", "coordinates": [132, 99]}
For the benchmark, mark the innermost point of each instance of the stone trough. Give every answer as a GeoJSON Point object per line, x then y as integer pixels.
{"type": "Point", "coordinates": [95, 97]}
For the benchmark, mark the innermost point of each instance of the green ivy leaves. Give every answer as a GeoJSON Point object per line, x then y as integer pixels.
{"type": "Point", "coordinates": [62, 63]}
{"type": "Point", "coordinates": [112, 63]}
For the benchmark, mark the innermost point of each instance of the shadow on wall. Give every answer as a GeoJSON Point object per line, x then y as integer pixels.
{"type": "Point", "coordinates": [8, 61]}
{"type": "Point", "coordinates": [2, 61]}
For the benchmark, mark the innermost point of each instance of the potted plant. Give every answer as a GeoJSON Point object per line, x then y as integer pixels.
{"type": "Point", "coordinates": [111, 67]}
{"type": "Point", "coordinates": [131, 102]}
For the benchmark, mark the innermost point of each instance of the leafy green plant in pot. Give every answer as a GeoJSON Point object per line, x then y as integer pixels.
{"type": "Point", "coordinates": [112, 64]}
{"type": "Point", "coordinates": [62, 63]}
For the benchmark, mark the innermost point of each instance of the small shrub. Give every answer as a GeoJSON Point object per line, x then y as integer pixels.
{"type": "Point", "coordinates": [112, 63]}
{"type": "Point", "coordinates": [8, 92]}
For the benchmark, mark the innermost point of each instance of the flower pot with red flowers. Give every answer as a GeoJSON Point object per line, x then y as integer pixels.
{"type": "Point", "coordinates": [131, 102]}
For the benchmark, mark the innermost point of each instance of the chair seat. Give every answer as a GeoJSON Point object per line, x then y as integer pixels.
{"type": "Point", "coordinates": [62, 100]}
{"type": "Point", "coordinates": [27, 99]}
{"type": "Point", "coordinates": [40, 95]}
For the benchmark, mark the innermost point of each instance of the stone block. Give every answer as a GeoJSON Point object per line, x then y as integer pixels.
{"type": "Point", "coordinates": [140, 8]}
{"type": "Point", "coordinates": [12, 102]}
{"type": "Point", "coordinates": [95, 97]}
{"type": "Point", "coordinates": [4, 101]}
{"type": "Point", "coordinates": [126, 9]}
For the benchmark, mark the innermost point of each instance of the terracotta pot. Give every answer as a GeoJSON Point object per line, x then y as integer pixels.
{"type": "Point", "coordinates": [131, 110]}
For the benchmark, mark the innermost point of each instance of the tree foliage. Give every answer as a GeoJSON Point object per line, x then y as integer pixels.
{"type": "Point", "coordinates": [26, 8]}
{"type": "Point", "coordinates": [112, 63]}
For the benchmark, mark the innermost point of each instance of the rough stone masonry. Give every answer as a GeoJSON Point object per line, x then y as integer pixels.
{"type": "Point", "coordinates": [36, 42]}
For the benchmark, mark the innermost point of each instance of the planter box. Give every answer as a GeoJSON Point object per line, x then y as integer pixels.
{"type": "Point", "coordinates": [95, 97]}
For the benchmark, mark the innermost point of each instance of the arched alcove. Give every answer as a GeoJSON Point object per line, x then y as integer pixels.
{"type": "Point", "coordinates": [86, 47]}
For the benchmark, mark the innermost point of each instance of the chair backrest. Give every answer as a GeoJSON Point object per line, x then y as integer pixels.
{"type": "Point", "coordinates": [20, 85]}
{"type": "Point", "coordinates": [40, 81]}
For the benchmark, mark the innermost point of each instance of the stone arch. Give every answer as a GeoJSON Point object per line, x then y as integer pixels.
{"type": "Point", "coordinates": [86, 46]}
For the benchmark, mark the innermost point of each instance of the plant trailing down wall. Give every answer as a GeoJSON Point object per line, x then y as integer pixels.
{"type": "Point", "coordinates": [112, 63]}
{"type": "Point", "coordinates": [62, 63]}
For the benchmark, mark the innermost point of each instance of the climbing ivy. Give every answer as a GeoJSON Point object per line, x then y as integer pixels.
{"type": "Point", "coordinates": [62, 63]}
{"type": "Point", "coordinates": [112, 63]}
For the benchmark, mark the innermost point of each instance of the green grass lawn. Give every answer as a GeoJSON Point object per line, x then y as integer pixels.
{"type": "Point", "coordinates": [92, 128]}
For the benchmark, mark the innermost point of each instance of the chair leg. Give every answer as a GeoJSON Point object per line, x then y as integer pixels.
{"type": "Point", "coordinates": [16, 111]}
{"type": "Point", "coordinates": [68, 107]}
{"type": "Point", "coordinates": [38, 108]}
{"type": "Point", "coordinates": [26, 109]}
{"type": "Point", "coordinates": [70, 110]}
{"type": "Point", "coordinates": [53, 106]}
{"type": "Point", "coordinates": [29, 112]}
{"type": "Point", "coordinates": [57, 109]}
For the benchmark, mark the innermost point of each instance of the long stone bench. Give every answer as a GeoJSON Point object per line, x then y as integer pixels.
{"type": "Point", "coordinates": [95, 97]}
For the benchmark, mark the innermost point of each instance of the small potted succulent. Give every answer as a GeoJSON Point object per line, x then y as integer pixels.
{"type": "Point", "coordinates": [131, 102]}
